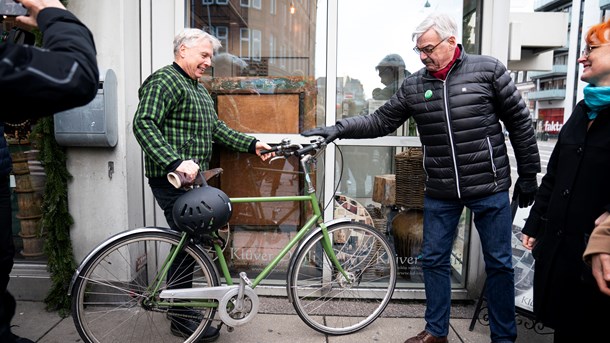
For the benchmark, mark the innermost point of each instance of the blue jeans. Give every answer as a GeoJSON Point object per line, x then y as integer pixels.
{"type": "Point", "coordinates": [493, 220]}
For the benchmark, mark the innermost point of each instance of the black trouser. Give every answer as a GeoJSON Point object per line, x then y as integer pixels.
{"type": "Point", "coordinates": [179, 274]}
{"type": "Point", "coordinates": [7, 253]}
{"type": "Point", "coordinates": [7, 310]}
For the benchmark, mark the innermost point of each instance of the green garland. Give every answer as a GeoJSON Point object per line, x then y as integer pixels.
{"type": "Point", "coordinates": [56, 218]}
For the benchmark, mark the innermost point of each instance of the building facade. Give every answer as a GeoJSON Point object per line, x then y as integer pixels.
{"type": "Point", "coordinates": [556, 91]}
{"type": "Point", "coordinates": [285, 66]}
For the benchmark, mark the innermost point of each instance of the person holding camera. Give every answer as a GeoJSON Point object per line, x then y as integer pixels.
{"type": "Point", "coordinates": [63, 74]}
{"type": "Point", "coordinates": [37, 82]}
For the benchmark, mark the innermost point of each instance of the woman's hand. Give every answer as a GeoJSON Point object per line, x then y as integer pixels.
{"type": "Point", "coordinates": [528, 242]}
{"type": "Point", "coordinates": [600, 267]}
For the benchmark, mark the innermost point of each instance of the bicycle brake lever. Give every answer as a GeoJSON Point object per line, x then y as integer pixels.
{"type": "Point", "coordinates": [275, 158]}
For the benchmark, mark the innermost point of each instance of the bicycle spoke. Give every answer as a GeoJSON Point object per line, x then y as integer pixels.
{"type": "Point", "coordinates": [323, 294]}
{"type": "Point", "coordinates": [110, 298]}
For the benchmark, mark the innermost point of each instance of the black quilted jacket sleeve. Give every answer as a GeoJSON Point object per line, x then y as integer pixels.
{"type": "Point", "coordinates": [459, 124]}
{"type": "Point", "coordinates": [63, 74]}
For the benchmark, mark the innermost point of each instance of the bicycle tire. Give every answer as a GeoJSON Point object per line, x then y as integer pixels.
{"type": "Point", "coordinates": [319, 293]}
{"type": "Point", "coordinates": [109, 289]}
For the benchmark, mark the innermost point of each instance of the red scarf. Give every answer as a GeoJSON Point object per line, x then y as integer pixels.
{"type": "Point", "coordinates": [442, 74]}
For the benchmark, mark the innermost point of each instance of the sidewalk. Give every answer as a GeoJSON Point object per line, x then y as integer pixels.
{"type": "Point", "coordinates": [277, 322]}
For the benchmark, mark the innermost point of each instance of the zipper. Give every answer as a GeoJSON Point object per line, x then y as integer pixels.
{"type": "Point", "coordinates": [491, 158]}
{"type": "Point", "coordinates": [450, 132]}
{"type": "Point", "coordinates": [423, 164]}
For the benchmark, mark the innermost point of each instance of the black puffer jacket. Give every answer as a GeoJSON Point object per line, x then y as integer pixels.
{"type": "Point", "coordinates": [459, 126]}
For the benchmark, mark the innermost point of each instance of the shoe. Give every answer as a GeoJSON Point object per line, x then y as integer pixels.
{"type": "Point", "coordinates": [426, 337]}
{"type": "Point", "coordinates": [183, 327]}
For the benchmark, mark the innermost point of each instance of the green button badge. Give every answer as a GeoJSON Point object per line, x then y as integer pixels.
{"type": "Point", "coordinates": [428, 94]}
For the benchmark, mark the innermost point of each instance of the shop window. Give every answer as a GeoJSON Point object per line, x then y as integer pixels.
{"type": "Point", "coordinates": [264, 81]}
{"type": "Point", "coordinates": [366, 79]}
{"type": "Point", "coordinates": [256, 45]}
{"type": "Point", "coordinates": [244, 47]}
{"type": "Point", "coordinates": [222, 33]}
{"type": "Point", "coordinates": [274, 81]}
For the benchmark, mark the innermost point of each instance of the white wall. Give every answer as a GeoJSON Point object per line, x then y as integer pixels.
{"type": "Point", "coordinates": [129, 43]}
{"type": "Point", "coordinates": [102, 205]}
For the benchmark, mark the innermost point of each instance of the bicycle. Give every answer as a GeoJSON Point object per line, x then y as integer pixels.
{"type": "Point", "coordinates": [340, 278]}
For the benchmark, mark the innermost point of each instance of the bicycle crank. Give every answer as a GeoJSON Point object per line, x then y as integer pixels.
{"type": "Point", "coordinates": [234, 311]}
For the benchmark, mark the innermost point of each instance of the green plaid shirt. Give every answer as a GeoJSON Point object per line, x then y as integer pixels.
{"type": "Point", "coordinates": [176, 120]}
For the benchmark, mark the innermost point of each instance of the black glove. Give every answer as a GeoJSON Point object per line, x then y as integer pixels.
{"type": "Point", "coordinates": [525, 190]}
{"type": "Point", "coordinates": [330, 133]}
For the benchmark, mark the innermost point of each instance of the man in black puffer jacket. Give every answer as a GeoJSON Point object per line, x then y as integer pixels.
{"type": "Point", "coordinates": [36, 82]}
{"type": "Point", "coordinates": [62, 74]}
{"type": "Point", "coordinates": [458, 102]}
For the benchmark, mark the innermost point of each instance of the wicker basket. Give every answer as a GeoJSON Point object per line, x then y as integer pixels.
{"type": "Point", "coordinates": [410, 178]}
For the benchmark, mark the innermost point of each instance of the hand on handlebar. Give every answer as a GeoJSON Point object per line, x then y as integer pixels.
{"type": "Point", "coordinates": [330, 133]}
{"type": "Point", "coordinates": [264, 150]}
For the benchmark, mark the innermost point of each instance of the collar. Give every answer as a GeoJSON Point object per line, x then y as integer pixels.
{"type": "Point", "coordinates": [181, 71]}
{"type": "Point", "coordinates": [442, 74]}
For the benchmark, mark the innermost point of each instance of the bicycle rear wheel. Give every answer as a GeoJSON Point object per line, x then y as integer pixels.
{"type": "Point", "coordinates": [321, 295]}
{"type": "Point", "coordinates": [112, 299]}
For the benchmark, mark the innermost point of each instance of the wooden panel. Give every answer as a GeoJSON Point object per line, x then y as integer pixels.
{"type": "Point", "coordinates": [249, 176]}
{"type": "Point", "coordinates": [384, 189]}
{"type": "Point", "coordinates": [246, 100]}
{"type": "Point", "coordinates": [260, 113]}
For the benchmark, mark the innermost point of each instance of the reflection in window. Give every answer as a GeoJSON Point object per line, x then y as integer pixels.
{"type": "Point", "coordinates": [271, 49]}
{"type": "Point", "coordinates": [244, 39]}
{"type": "Point", "coordinates": [366, 79]}
{"type": "Point", "coordinates": [263, 81]}
{"type": "Point", "coordinates": [256, 45]}
{"type": "Point", "coordinates": [222, 33]}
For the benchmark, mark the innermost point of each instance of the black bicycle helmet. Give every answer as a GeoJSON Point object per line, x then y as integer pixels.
{"type": "Point", "coordinates": [202, 210]}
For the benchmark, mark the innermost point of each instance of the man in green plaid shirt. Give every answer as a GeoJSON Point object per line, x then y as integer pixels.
{"type": "Point", "coordinates": [175, 124]}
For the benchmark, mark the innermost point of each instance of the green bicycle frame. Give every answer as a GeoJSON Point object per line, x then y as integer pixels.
{"type": "Point", "coordinates": [315, 218]}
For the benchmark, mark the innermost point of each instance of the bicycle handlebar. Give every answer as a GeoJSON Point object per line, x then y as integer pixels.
{"type": "Point", "coordinates": [286, 148]}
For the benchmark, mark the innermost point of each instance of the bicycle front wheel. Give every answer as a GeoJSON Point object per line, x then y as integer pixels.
{"type": "Point", "coordinates": [324, 298]}
{"type": "Point", "coordinates": [113, 295]}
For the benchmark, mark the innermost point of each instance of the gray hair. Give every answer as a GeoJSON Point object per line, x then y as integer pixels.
{"type": "Point", "coordinates": [442, 23]}
{"type": "Point", "coordinates": [189, 37]}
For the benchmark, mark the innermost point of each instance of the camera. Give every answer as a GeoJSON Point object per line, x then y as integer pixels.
{"type": "Point", "coordinates": [10, 8]}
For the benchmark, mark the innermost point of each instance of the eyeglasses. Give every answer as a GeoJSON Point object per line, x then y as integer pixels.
{"type": "Point", "coordinates": [588, 48]}
{"type": "Point", "coordinates": [428, 49]}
